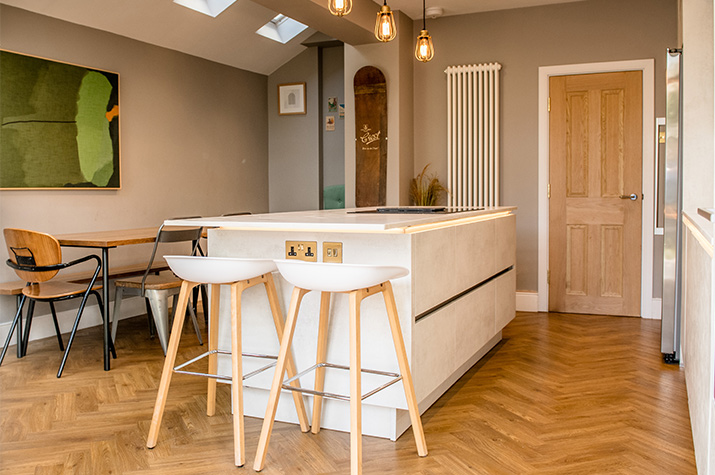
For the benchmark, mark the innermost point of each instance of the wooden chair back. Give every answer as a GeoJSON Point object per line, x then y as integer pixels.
{"type": "Point", "coordinates": [33, 248]}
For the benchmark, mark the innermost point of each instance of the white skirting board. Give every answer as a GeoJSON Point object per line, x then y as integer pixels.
{"type": "Point", "coordinates": [42, 326]}
{"type": "Point", "coordinates": [527, 301]}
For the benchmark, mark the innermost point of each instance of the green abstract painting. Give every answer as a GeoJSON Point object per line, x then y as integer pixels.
{"type": "Point", "coordinates": [59, 125]}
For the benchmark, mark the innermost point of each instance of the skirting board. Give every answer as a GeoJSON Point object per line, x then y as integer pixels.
{"type": "Point", "coordinates": [527, 301]}
{"type": "Point", "coordinates": [42, 326]}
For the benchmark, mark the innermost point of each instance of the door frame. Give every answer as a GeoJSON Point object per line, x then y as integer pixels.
{"type": "Point", "coordinates": [649, 308]}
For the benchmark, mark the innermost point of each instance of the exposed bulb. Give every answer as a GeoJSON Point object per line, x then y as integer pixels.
{"type": "Point", "coordinates": [385, 29]}
{"type": "Point", "coordinates": [424, 51]}
{"type": "Point", "coordinates": [340, 7]}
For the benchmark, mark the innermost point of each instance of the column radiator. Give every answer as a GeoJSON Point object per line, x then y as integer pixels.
{"type": "Point", "coordinates": [473, 134]}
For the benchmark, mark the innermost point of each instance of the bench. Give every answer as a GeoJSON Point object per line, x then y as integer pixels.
{"type": "Point", "coordinates": [118, 272]}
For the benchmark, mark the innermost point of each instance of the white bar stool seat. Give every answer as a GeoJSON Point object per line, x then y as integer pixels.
{"type": "Point", "coordinates": [359, 281]}
{"type": "Point", "coordinates": [240, 274]}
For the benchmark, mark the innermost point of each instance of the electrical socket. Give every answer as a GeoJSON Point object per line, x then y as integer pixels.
{"type": "Point", "coordinates": [332, 252]}
{"type": "Point", "coordinates": [303, 250]}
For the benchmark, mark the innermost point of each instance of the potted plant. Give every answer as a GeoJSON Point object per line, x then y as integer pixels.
{"type": "Point", "coordinates": [426, 190]}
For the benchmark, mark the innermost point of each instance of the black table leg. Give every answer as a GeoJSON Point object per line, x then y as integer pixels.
{"type": "Point", "coordinates": [105, 304]}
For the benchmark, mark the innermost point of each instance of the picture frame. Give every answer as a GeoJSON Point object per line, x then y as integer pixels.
{"type": "Point", "coordinates": [291, 99]}
{"type": "Point", "coordinates": [60, 125]}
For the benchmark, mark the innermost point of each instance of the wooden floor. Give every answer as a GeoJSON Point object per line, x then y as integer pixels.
{"type": "Point", "coordinates": [564, 394]}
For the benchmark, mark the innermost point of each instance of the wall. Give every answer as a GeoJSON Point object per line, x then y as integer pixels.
{"type": "Point", "coordinates": [333, 141]}
{"type": "Point", "coordinates": [194, 139]}
{"type": "Point", "coordinates": [293, 139]}
{"type": "Point", "coordinates": [395, 60]}
{"type": "Point", "coordinates": [698, 335]}
{"type": "Point", "coordinates": [522, 40]}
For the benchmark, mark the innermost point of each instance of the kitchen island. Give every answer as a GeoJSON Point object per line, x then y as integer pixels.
{"type": "Point", "coordinates": [453, 305]}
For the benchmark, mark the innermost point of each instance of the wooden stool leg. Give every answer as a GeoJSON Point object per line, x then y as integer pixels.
{"type": "Point", "coordinates": [404, 370]}
{"type": "Point", "coordinates": [265, 437]}
{"type": "Point", "coordinates": [239, 445]}
{"type": "Point", "coordinates": [168, 365]}
{"type": "Point", "coordinates": [320, 358]}
{"type": "Point", "coordinates": [290, 364]}
{"type": "Point", "coordinates": [213, 345]}
{"type": "Point", "coordinates": [355, 386]}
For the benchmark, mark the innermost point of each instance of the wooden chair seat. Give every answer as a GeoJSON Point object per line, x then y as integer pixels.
{"type": "Point", "coordinates": [56, 290]}
{"type": "Point", "coordinates": [153, 282]}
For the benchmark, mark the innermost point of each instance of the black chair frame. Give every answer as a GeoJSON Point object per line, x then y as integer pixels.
{"type": "Point", "coordinates": [17, 323]}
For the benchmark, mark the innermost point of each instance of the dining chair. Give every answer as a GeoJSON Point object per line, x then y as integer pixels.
{"type": "Point", "coordinates": [37, 258]}
{"type": "Point", "coordinates": [157, 288]}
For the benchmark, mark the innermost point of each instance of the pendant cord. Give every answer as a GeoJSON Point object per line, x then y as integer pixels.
{"type": "Point", "coordinates": [424, 22]}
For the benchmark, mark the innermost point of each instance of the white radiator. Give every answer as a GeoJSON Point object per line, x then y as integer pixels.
{"type": "Point", "coordinates": [473, 134]}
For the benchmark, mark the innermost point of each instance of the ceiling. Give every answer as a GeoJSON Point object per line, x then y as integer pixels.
{"type": "Point", "coordinates": [230, 38]}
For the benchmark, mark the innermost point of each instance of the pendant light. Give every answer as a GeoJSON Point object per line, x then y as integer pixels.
{"type": "Point", "coordinates": [385, 26]}
{"type": "Point", "coordinates": [340, 7]}
{"type": "Point", "coordinates": [424, 50]}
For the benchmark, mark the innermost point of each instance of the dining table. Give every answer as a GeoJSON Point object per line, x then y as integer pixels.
{"type": "Point", "coordinates": [106, 240]}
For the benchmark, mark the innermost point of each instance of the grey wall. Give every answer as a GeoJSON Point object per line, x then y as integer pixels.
{"type": "Point", "coordinates": [293, 139]}
{"type": "Point", "coordinates": [522, 40]}
{"type": "Point", "coordinates": [333, 141]}
{"type": "Point", "coordinates": [194, 138]}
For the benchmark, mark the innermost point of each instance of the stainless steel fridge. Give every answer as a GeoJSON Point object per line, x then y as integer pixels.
{"type": "Point", "coordinates": [673, 210]}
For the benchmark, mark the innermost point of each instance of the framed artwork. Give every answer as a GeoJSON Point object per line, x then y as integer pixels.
{"type": "Point", "coordinates": [291, 99]}
{"type": "Point", "coordinates": [59, 125]}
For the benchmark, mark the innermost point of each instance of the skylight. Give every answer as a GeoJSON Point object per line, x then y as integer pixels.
{"type": "Point", "coordinates": [208, 7]}
{"type": "Point", "coordinates": [281, 29]}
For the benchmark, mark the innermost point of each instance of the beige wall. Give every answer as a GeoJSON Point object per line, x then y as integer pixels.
{"type": "Point", "coordinates": [293, 139]}
{"type": "Point", "coordinates": [522, 40]}
{"type": "Point", "coordinates": [193, 138]}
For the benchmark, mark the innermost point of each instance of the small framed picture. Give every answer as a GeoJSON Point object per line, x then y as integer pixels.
{"type": "Point", "coordinates": [330, 122]}
{"type": "Point", "coordinates": [332, 104]}
{"type": "Point", "coordinates": [291, 98]}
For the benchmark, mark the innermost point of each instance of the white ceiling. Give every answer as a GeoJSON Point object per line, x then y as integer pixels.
{"type": "Point", "coordinates": [230, 37]}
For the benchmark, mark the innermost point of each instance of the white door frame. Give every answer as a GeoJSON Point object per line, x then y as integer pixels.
{"type": "Point", "coordinates": [648, 309]}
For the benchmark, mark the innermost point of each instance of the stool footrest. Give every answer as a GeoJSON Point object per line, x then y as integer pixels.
{"type": "Point", "coordinates": [179, 368]}
{"type": "Point", "coordinates": [286, 384]}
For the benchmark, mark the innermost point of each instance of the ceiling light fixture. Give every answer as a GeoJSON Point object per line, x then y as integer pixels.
{"type": "Point", "coordinates": [424, 50]}
{"type": "Point", "coordinates": [340, 7]}
{"type": "Point", "coordinates": [385, 25]}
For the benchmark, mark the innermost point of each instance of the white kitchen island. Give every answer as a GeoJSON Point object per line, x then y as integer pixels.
{"type": "Point", "coordinates": [453, 305]}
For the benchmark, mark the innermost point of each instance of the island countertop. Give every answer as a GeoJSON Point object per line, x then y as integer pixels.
{"type": "Point", "coordinates": [452, 305]}
{"type": "Point", "coordinates": [344, 220]}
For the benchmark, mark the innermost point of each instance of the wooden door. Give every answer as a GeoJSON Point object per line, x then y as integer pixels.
{"type": "Point", "coordinates": [595, 165]}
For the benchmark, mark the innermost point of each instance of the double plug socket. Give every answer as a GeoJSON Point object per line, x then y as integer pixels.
{"type": "Point", "coordinates": [308, 251]}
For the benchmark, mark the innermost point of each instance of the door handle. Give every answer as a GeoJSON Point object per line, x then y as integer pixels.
{"type": "Point", "coordinates": [631, 197]}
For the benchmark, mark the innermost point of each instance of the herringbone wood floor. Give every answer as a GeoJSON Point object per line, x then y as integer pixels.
{"type": "Point", "coordinates": [563, 394]}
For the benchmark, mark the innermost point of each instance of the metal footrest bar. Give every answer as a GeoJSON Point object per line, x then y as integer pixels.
{"type": "Point", "coordinates": [179, 368]}
{"type": "Point", "coordinates": [286, 383]}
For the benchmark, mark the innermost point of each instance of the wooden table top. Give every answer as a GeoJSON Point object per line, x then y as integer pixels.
{"type": "Point", "coordinates": [113, 238]}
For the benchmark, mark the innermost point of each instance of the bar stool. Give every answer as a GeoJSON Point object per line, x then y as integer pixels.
{"type": "Point", "coordinates": [240, 274]}
{"type": "Point", "coordinates": [359, 281]}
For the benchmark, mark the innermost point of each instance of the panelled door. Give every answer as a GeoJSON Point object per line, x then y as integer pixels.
{"type": "Point", "coordinates": [595, 170]}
